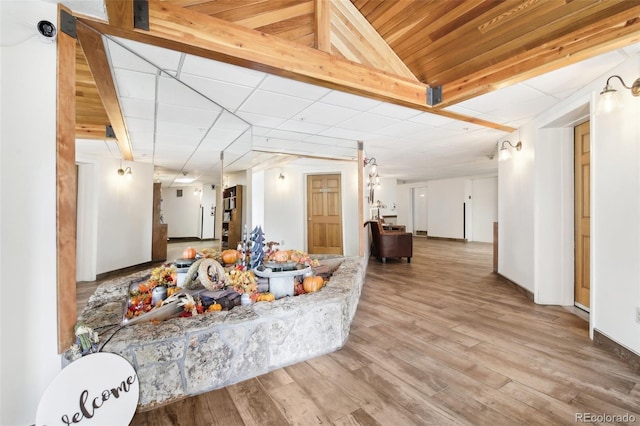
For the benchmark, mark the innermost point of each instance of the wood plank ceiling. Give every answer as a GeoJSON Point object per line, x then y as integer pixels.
{"type": "Point", "coordinates": [468, 47]}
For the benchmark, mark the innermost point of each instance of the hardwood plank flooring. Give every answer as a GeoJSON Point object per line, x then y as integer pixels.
{"type": "Point", "coordinates": [438, 341]}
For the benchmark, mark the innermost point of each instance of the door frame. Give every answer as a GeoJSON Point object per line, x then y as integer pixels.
{"type": "Point", "coordinates": [305, 177]}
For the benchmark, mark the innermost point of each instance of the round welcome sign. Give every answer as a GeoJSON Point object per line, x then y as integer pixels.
{"type": "Point", "coordinates": [97, 389]}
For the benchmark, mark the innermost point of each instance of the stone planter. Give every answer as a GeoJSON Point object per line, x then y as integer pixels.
{"type": "Point", "coordinates": [188, 356]}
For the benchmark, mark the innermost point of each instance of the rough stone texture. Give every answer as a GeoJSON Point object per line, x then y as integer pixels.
{"type": "Point", "coordinates": [159, 383]}
{"type": "Point", "coordinates": [187, 356]}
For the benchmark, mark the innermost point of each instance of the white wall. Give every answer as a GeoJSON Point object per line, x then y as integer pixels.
{"type": "Point", "coordinates": [285, 205]}
{"type": "Point", "coordinates": [445, 207]}
{"type": "Point", "coordinates": [28, 355]}
{"type": "Point", "coordinates": [615, 219]}
{"type": "Point", "coordinates": [208, 202]}
{"type": "Point", "coordinates": [387, 196]}
{"type": "Point", "coordinates": [535, 208]}
{"type": "Point", "coordinates": [484, 204]}
{"type": "Point", "coordinates": [182, 214]}
{"type": "Point", "coordinates": [420, 198]}
{"type": "Point", "coordinates": [515, 215]}
{"type": "Point", "coordinates": [125, 215]}
{"type": "Point", "coordinates": [115, 215]}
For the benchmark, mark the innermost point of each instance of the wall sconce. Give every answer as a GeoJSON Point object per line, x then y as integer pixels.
{"type": "Point", "coordinates": [374, 178]}
{"type": "Point", "coordinates": [281, 176]}
{"type": "Point", "coordinates": [197, 191]}
{"type": "Point", "coordinates": [504, 153]}
{"type": "Point", "coordinates": [125, 172]}
{"type": "Point", "coordinates": [373, 163]}
{"type": "Point", "coordinates": [607, 101]}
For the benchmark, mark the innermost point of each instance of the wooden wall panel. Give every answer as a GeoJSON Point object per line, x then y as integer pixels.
{"type": "Point", "coordinates": [66, 189]}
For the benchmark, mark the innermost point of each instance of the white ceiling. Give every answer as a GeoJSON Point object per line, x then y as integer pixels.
{"type": "Point", "coordinates": [181, 119]}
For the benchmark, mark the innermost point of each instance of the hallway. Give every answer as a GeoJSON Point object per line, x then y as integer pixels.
{"type": "Point", "coordinates": [441, 340]}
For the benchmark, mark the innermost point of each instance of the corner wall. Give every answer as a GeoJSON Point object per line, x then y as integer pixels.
{"type": "Point", "coordinates": [536, 213]}
{"type": "Point", "coordinates": [28, 356]}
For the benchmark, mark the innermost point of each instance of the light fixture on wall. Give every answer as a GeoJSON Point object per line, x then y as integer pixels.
{"type": "Point", "coordinates": [607, 102]}
{"type": "Point", "coordinates": [197, 191]}
{"type": "Point", "coordinates": [504, 153]}
{"type": "Point", "coordinates": [281, 176]}
{"type": "Point", "coordinates": [125, 172]}
{"type": "Point", "coordinates": [374, 178]}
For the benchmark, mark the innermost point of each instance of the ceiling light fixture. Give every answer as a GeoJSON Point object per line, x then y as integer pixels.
{"type": "Point", "coordinates": [184, 179]}
{"type": "Point", "coordinates": [504, 153]}
{"type": "Point", "coordinates": [607, 101]}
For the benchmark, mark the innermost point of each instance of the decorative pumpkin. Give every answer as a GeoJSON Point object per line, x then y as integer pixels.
{"type": "Point", "coordinates": [189, 253]}
{"type": "Point", "coordinates": [215, 307]}
{"type": "Point", "coordinates": [230, 256]}
{"type": "Point", "coordinates": [281, 256]}
{"type": "Point", "coordinates": [311, 284]}
{"type": "Point", "coordinates": [265, 297]}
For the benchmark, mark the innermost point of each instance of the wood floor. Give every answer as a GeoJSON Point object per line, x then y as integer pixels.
{"type": "Point", "coordinates": [439, 341]}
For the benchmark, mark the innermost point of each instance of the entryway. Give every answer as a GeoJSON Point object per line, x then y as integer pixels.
{"type": "Point", "coordinates": [582, 158]}
{"type": "Point", "coordinates": [324, 212]}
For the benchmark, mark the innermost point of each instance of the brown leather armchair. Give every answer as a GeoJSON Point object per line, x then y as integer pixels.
{"type": "Point", "coordinates": [390, 243]}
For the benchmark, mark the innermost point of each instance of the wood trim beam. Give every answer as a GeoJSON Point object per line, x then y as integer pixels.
{"type": "Point", "coordinates": [66, 188]}
{"type": "Point", "coordinates": [194, 33]}
{"type": "Point", "coordinates": [92, 131]}
{"type": "Point", "coordinates": [94, 50]}
{"type": "Point", "coordinates": [323, 25]}
{"type": "Point", "coordinates": [569, 49]}
{"type": "Point", "coordinates": [361, 196]}
{"type": "Point", "coordinates": [349, 25]}
{"type": "Point", "coordinates": [120, 13]}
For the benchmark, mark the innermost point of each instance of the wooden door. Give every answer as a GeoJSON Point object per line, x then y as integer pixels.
{"type": "Point", "coordinates": [324, 211]}
{"type": "Point", "coordinates": [582, 154]}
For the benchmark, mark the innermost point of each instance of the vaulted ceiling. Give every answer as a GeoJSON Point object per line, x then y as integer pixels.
{"type": "Point", "coordinates": [387, 51]}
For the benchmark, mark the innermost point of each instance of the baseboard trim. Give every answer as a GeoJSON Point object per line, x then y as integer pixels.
{"type": "Point", "coordinates": [462, 240]}
{"type": "Point", "coordinates": [187, 239]}
{"type": "Point", "coordinates": [127, 270]}
{"type": "Point", "coordinates": [623, 353]}
{"type": "Point", "coordinates": [516, 286]}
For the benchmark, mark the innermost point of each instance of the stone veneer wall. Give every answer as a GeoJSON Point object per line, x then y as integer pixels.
{"type": "Point", "coordinates": [187, 356]}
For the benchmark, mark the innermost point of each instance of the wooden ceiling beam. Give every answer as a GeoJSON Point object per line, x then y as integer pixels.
{"type": "Point", "coordinates": [120, 13]}
{"type": "Point", "coordinates": [350, 27]}
{"type": "Point", "coordinates": [94, 50]}
{"type": "Point", "coordinates": [91, 131]}
{"type": "Point", "coordinates": [323, 25]}
{"type": "Point", "coordinates": [194, 33]}
{"type": "Point", "coordinates": [570, 49]}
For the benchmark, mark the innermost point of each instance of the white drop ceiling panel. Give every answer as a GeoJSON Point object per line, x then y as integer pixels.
{"type": "Point", "coordinates": [272, 104]}
{"type": "Point", "coordinates": [228, 95]}
{"type": "Point", "coordinates": [139, 56]}
{"type": "Point", "coordinates": [302, 127]}
{"type": "Point", "coordinates": [197, 66]}
{"type": "Point", "coordinates": [298, 89]}
{"type": "Point", "coordinates": [326, 114]}
{"type": "Point", "coordinates": [173, 92]}
{"type": "Point", "coordinates": [136, 85]}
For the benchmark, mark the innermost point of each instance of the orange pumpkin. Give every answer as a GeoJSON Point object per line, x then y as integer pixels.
{"type": "Point", "coordinates": [281, 256]}
{"type": "Point", "coordinates": [172, 290]}
{"type": "Point", "coordinates": [189, 253]}
{"type": "Point", "coordinates": [215, 307]}
{"type": "Point", "coordinates": [265, 297]}
{"type": "Point", "coordinates": [230, 256]}
{"type": "Point", "coordinates": [311, 284]}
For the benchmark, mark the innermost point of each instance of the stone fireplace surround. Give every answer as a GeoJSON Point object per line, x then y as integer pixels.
{"type": "Point", "coordinates": [182, 357]}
